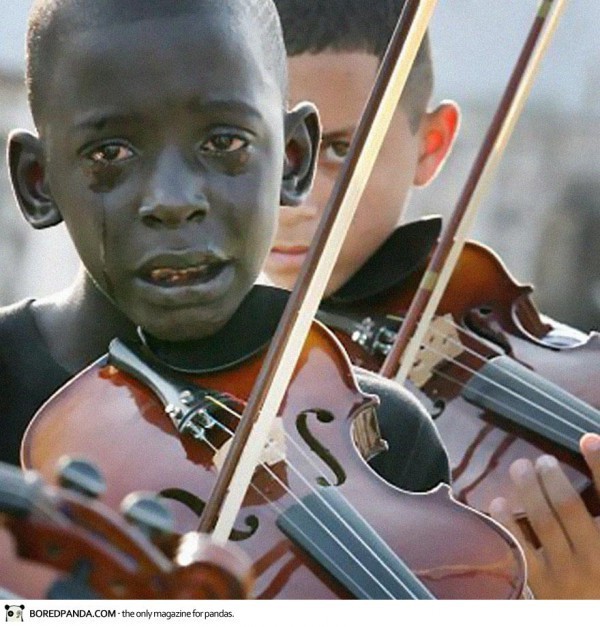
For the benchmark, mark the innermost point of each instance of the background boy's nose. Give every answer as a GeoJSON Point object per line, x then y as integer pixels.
{"type": "Point", "coordinates": [307, 211]}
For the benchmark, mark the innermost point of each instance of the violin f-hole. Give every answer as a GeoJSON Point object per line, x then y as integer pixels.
{"type": "Point", "coordinates": [197, 505]}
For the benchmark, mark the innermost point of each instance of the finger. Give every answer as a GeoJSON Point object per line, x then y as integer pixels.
{"type": "Point", "coordinates": [590, 449]}
{"type": "Point", "coordinates": [568, 506]}
{"type": "Point", "coordinates": [539, 513]}
{"type": "Point", "coordinates": [501, 512]}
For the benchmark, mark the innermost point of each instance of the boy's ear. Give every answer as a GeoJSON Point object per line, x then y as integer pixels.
{"type": "Point", "coordinates": [302, 137]}
{"type": "Point", "coordinates": [28, 178]}
{"type": "Point", "coordinates": [437, 131]}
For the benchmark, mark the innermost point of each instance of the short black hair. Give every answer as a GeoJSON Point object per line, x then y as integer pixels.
{"type": "Point", "coordinates": [47, 16]}
{"type": "Point", "coordinates": [314, 26]}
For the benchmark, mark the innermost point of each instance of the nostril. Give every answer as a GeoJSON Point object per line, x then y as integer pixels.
{"type": "Point", "coordinates": [196, 216]}
{"type": "Point", "coordinates": [151, 220]}
{"type": "Point", "coordinates": [171, 215]}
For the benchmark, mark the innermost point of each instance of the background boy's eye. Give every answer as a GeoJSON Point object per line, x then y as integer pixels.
{"type": "Point", "coordinates": [223, 143]}
{"type": "Point", "coordinates": [336, 151]}
{"type": "Point", "coordinates": [110, 153]}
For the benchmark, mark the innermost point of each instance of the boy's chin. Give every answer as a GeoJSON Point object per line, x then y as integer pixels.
{"type": "Point", "coordinates": [182, 329]}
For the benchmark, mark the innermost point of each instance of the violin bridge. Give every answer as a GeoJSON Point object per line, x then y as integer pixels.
{"type": "Point", "coordinates": [440, 343]}
{"type": "Point", "coordinates": [366, 434]}
{"type": "Point", "coordinates": [273, 452]}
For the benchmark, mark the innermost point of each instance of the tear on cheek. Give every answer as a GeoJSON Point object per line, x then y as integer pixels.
{"type": "Point", "coordinates": [102, 235]}
{"type": "Point", "coordinates": [103, 178]}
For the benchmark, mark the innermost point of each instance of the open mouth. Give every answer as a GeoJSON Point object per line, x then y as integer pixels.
{"type": "Point", "coordinates": [182, 270]}
{"type": "Point", "coordinates": [179, 277]}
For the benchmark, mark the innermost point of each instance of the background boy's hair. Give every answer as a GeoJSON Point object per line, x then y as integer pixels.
{"type": "Point", "coordinates": [46, 17]}
{"type": "Point", "coordinates": [313, 26]}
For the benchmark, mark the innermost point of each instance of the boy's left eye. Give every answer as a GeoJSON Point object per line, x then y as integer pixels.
{"type": "Point", "coordinates": [110, 153]}
{"type": "Point", "coordinates": [223, 143]}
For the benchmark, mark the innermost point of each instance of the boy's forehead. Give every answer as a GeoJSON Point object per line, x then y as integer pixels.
{"type": "Point", "coordinates": [167, 56]}
{"type": "Point", "coordinates": [112, 37]}
{"type": "Point", "coordinates": [83, 15]}
{"type": "Point", "coordinates": [193, 39]}
{"type": "Point", "coordinates": [323, 76]}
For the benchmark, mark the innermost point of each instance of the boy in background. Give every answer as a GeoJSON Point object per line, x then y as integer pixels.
{"type": "Point", "coordinates": [334, 49]}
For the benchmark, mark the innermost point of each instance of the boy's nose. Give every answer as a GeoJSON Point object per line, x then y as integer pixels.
{"type": "Point", "coordinates": [171, 214]}
{"type": "Point", "coordinates": [174, 194]}
{"type": "Point", "coordinates": [291, 216]}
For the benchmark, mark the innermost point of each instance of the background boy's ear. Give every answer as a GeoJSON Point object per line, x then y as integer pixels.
{"type": "Point", "coordinates": [302, 136]}
{"type": "Point", "coordinates": [437, 131]}
{"type": "Point", "coordinates": [27, 174]}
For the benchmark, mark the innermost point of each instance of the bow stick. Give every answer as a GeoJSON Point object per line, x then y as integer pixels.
{"type": "Point", "coordinates": [232, 483]}
{"type": "Point", "coordinates": [442, 264]}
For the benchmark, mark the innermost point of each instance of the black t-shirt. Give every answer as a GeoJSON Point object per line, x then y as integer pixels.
{"type": "Point", "coordinates": [415, 460]}
{"type": "Point", "coordinates": [28, 376]}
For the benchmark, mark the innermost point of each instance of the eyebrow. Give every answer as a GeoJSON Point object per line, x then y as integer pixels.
{"type": "Point", "coordinates": [347, 130]}
{"type": "Point", "coordinates": [99, 120]}
{"type": "Point", "coordinates": [197, 105]}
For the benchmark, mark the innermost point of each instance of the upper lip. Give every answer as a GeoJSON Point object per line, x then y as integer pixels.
{"type": "Point", "coordinates": [181, 260]}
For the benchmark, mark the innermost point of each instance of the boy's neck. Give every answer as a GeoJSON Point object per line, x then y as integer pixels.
{"type": "Point", "coordinates": [78, 323]}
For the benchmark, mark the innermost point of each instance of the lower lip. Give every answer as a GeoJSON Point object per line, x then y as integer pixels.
{"type": "Point", "coordinates": [190, 294]}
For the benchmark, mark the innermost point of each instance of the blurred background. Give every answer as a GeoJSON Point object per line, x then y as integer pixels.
{"type": "Point", "coordinates": [542, 214]}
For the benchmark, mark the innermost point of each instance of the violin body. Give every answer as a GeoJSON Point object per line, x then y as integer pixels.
{"type": "Point", "coordinates": [493, 316]}
{"type": "Point", "coordinates": [287, 515]}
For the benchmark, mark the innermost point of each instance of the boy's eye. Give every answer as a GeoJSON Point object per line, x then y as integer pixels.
{"type": "Point", "coordinates": [223, 143]}
{"type": "Point", "coordinates": [336, 151]}
{"type": "Point", "coordinates": [110, 153]}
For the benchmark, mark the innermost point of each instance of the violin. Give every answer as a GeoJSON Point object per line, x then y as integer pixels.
{"type": "Point", "coordinates": [307, 522]}
{"type": "Point", "coordinates": [293, 416]}
{"type": "Point", "coordinates": [59, 543]}
{"type": "Point", "coordinates": [501, 380]}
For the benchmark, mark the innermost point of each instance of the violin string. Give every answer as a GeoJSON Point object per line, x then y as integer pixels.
{"type": "Point", "coordinates": [525, 382]}
{"type": "Point", "coordinates": [316, 493]}
{"type": "Point", "coordinates": [512, 375]}
{"type": "Point", "coordinates": [523, 414]}
{"type": "Point", "coordinates": [280, 512]}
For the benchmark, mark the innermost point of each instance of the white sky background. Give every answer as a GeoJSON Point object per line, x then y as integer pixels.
{"type": "Point", "coordinates": [476, 43]}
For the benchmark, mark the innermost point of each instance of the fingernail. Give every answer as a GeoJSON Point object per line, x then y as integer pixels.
{"type": "Point", "coordinates": [546, 463]}
{"type": "Point", "coordinates": [591, 442]}
{"type": "Point", "coordinates": [521, 469]}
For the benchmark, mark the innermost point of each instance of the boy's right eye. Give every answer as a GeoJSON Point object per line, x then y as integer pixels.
{"type": "Point", "coordinates": [109, 153]}
{"type": "Point", "coordinates": [335, 151]}
{"type": "Point", "coordinates": [224, 143]}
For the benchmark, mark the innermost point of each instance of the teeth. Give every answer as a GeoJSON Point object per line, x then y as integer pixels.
{"type": "Point", "coordinates": [177, 275]}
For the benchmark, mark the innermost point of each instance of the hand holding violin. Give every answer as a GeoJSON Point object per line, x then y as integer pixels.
{"type": "Point", "coordinates": [567, 564]}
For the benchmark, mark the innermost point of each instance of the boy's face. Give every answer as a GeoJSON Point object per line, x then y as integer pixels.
{"type": "Point", "coordinates": [164, 156]}
{"type": "Point", "coordinates": [339, 84]}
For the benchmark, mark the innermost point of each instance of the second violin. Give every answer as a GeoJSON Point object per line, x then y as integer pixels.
{"type": "Point", "coordinates": [501, 380]}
